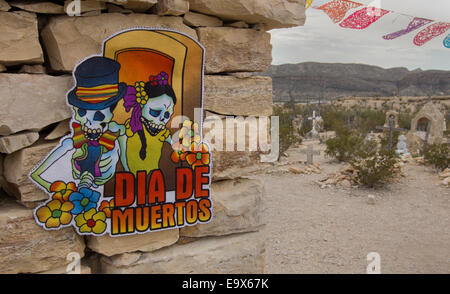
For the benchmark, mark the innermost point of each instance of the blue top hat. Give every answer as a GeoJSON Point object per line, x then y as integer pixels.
{"type": "Point", "coordinates": [98, 84]}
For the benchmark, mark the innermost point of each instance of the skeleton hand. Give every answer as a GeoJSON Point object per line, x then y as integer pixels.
{"type": "Point", "coordinates": [86, 180]}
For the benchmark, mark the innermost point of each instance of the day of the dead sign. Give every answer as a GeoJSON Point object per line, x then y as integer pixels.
{"type": "Point", "coordinates": [135, 161]}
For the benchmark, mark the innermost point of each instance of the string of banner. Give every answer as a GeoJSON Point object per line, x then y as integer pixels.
{"type": "Point", "coordinates": [363, 18]}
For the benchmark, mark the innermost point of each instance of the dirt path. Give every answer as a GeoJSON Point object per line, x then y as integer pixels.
{"type": "Point", "coordinates": [314, 230]}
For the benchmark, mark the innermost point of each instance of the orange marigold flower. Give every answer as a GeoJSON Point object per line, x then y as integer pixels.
{"type": "Point", "coordinates": [179, 153]}
{"type": "Point", "coordinates": [62, 190]}
{"type": "Point", "coordinates": [198, 155]}
{"type": "Point", "coordinates": [54, 213]}
{"type": "Point", "coordinates": [106, 207]}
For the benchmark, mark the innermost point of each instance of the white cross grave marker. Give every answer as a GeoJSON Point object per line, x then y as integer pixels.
{"type": "Point", "coordinates": [314, 132]}
{"type": "Point", "coordinates": [310, 152]}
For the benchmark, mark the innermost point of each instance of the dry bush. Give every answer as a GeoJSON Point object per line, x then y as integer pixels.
{"type": "Point", "coordinates": [438, 155]}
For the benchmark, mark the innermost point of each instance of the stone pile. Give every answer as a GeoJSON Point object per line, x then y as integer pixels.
{"type": "Point", "coordinates": [40, 47]}
{"type": "Point", "coordinates": [444, 176]}
{"type": "Point", "coordinates": [346, 177]}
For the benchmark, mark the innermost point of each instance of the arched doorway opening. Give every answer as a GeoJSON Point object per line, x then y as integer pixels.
{"type": "Point", "coordinates": [422, 124]}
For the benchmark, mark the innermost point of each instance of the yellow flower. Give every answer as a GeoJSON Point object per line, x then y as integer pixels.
{"type": "Point", "coordinates": [55, 213]}
{"type": "Point", "coordinates": [189, 133]}
{"type": "Point", "coordinates": [91, 221]}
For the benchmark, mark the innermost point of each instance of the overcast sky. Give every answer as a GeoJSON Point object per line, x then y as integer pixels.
{"type": "Point", "coordinates": [321, 40]}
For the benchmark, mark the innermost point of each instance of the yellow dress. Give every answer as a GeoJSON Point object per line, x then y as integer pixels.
{"type": "Point", "coordinates": [154, 148]}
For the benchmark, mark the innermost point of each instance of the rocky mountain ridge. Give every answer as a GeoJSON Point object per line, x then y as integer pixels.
{"type": "Point", "coordinates": [311, 81]}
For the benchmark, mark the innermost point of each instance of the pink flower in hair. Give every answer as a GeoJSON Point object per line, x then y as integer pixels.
{"type": "Point", "coordinates": [163, 78]}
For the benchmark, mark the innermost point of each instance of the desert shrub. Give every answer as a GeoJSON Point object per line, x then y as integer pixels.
{"type": "Point", "coordinates": [438, 155]}
{"type": "Point", "coordinates": [363, 119]}
{"type": "Point", "coordinates": [372, 166]}
{"type": "Point", "coordinates": [405, 118]}
{"type": "Point", "coordinates": [286, 130]}
{"type": "Point", "coordinates": [368, 119]}
{"type": "Point", "coordinates": [344, 145]}
{"type": "Point", "coordinates": [334, 118]}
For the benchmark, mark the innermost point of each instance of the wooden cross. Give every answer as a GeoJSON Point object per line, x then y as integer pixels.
{"type": "Point", "coordinates": [310, 152]}
{"type": "Point", "coordinates": [391, 129]}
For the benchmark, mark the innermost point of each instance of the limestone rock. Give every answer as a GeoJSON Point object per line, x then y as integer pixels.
{"type": "Point", "coordinates": [237, 208]}
{"type": "Point", "coordinates": [4, 6]}
{"type": "Point", "coordinates": [444, 174]}
{"type": "Point", "coordinates": [2, 178]}
{"type": "Point", "coordinates": [172, 7]}
{"type": "Point", "coordinates": [242, 253]}
{"type": "Point", "coordinates": [27, 248]}
{"type": "Point", "coordinates": [12, 143]}
{"type": "Point", "coordinates": [110, 246]}
{"type": "Point", "coordinates": [39, 7]}
{"type": "Point", "coordinates": [345, 183]}
{"type": "Point", "coordinates": [117, 9]}
{"type": "Point", "coordinates": [231, 50]}
{"type": "Point", "coordinates": [230, 95]}
{"type": "Point", "coordinates": [446, 181]}
{"type": "Point", "coordinates": [235, 143]}
{"type": "Point", "coordinates": [31, 102]}
{"type": "Point", "coordinates": [238, 24]}
{"type": "Point", "coordinates": [92, 13]}
{"type": "Point", "coordinates": [201, 20]}
{"type": "Point", "coordinates": [272, 13]}
{"type": "Point", "coordinates": [18, 165]}
{"type": "Point", "coordinates": [229, 165]}
{"type": "Point", "coordinates": [20, 40]}
{"type": "Point", "coordinates": [296, 170]}
{"type": "Point", "coordinates": [33, 69]}
{"type": "Point", "coordinates": [59, 131]}
{"type": "Point", "coordinates": [139, 5]}
{"type": "Point", "coordinates": [68, 40]}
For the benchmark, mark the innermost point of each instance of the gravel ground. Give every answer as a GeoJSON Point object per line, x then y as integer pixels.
{"type": "Point", "coordinates": [331, 230]}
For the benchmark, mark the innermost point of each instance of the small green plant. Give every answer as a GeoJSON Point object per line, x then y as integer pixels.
{"type": "Point", "coordinates": [374, 167]}
{"type": "Point", "coordinates": [438, 155]}
{"type": "Point", "coordinates": [344, 145]}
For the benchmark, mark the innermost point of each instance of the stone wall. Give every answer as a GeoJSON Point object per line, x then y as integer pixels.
{"type": "Point", "coordinates": [40, 47]}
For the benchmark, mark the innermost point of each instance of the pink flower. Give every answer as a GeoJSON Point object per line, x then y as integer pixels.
{"type": "Point", "coordinates": [163, 78]}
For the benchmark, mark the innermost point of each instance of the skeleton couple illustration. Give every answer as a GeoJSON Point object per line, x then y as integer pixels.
{"type": "Point", "coordinates": [122, 106]}
{"type": "Point", "coordinates": [98, 142]}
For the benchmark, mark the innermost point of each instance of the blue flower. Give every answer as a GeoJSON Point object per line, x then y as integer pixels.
{"type": "Point", "coordinates": [83, 200]}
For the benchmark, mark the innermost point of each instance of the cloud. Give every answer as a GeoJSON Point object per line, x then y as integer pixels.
{"type": "Point", "coordinates": [321, 40]}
